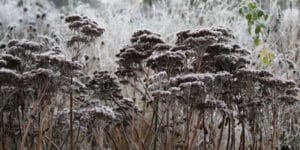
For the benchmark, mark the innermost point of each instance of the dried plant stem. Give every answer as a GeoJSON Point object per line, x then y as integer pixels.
{"type": "Point", "coordinates": [139, 138]}
{"type": "Point", "coordinates": [65, 140]}
{"type": "Point", "coordinates": [71, 117]}
{"type": "Point", "coordinates": [167, 127]}
{"type": "Point", "coordinates": [156, 123]}
{"type": "Point", "coordinates": [221, 132]}
{"type": "Point", "coordinates": [133, 116]}
{"type": "Point", "coordinates": [34, 111]}
{"type": "Point", "coordinates": [142, 126]}
{"type": "Point", "coordinates": [228, 133]}
{"type": "Point", "coordinates": [132, 132]}
{"type": "Point", "coordinates": [125, 136]}
{"type": "Point", "coordinates": [2, 132]}
{"type": "Point", "coordinates": [112, 139]}
{"type": "Point", "coordinates": [204, 130]}
{"type": "Point", "coordinates": [40, 137]}
{"type": "Point", "coordinates": [242, 136]}
{"type": "Point", "coordinates": [99, 137]}
{"type": "Point", "coordinates": [78, 134]}
{"type": "Point", "coordinates": [212, 131]}
{"type": "Point", "coordinates": [232, 146]}
{"type": "Point", "coordinates": [52, 143]}
{"type": "Point", "coordinates": [261, 146]}
{"type": "Point", "coordinates": [194, 134]}
{"type": "Point", "coordinates": [253, 130]}
{"type": "Point", "coordinates": [274, 133]}
{"type": "Point", "coordinates": [41, 125]}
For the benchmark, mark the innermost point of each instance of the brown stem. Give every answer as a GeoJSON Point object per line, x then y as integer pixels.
{"type": "Point", "coordinates": [34, 111]}
{"type": "Point", "coordinates": [71, 117]}
{"type": "Point", "coordinates": [221, 132]}
{"type": "Point", "coordinates": [232, 133]}
{"type": "Point", "coordinates": [40, 136]}
{"type": "Point", "coordinates": [194, 134]}
{"type": "Point", "coordinates": [125, 136]}
{"type": "Point", "coordinates": [52, 143]}
{"type": "Point", "coordinates": [187, 129]}
{"type": "Point", "coordinates": [212, 131]}
{"type": "Point", "coordinates": [261, 147]}
{"type": "Point", "coordinates": [112, 139]}
{"type": "Point", "coordinates": [204, 130]}
{"type": "Point", "coordinates": [166, 147]}
{"type": "Point", "coordinates": [242, 136]}
{"type": "Point", "coordinates": [274, 129]}
{"type": "Point", "coordinates": [41, 124]}
{"type": "Point", "coordinates": [228, 134]}
{"type": "Point", "coordinates": [132, 131]}
{"type": "Point", "coordinates": [99, 138]}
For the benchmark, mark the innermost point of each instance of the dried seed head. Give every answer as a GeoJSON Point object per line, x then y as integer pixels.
{"type": "Point", "coordinates": [167, 61]}
{"type": "Point", "coordinates": [290, 100]}
{"type": "Point", "coordinates": [9, 77]}
{"type": "Point", "coordinates": [219, 34]}
{"type": "Point", "coordinates": [38, 75]}
{"type": "Point", "coordinates": [276, 82]}
{"type": "Point", "coordinates": [84, 25]}
{"type": "Point", "coordinates": [131, 55]}
{"type": "Point", "coordinates": [91, 31]}
{"type": "Point", "coordinates": [2, 46]}
{"type": "Point", "coordinates": [104, 86]}
{"type": "Point", "coordinates": [77, 39]}
{"type": "Point", "coordinates": [11, 62]}
{"type": "Point", "coordinates": [72, 18]}
{"type": "Point", "coordinates": [12, 43]}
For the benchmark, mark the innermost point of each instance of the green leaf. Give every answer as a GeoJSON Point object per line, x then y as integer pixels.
{"type": "Point", "coordinates": [266, 56]}
{"type": "Point", "coordinates": [257, 30]}
{"type": "Point", "coordinates": [249, 30]}
{"type": "Point", "coordinates": [266, 17]}
{"type": "Point", "coordinates": [241, 11]}
{"type": "Point", "coordinates": [252, 5]}
{"type": "Point", "coordinates": [254, 15]}
{"type": "Point", "coordinates": [256, 40]}
{"type": "Point", "coordinates": [248, 17]}
{"type": "Point", "coordinates": [260, 12]}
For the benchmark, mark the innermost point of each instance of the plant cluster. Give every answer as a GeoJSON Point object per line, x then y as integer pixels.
{"type": "Point", "coordinates": [34, 76]}
{"type": "Point", "coordinates": [208, 78]}
{"type": "Point", "coordinates": [192, 89]}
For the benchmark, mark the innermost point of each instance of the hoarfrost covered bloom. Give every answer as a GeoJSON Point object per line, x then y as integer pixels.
{"type": "Point", "coordinates": [104, 86]}
{"type": "Point", "coordinates": [9, 61]}
{"type": "Point", "coordinates": [221, 71]}
{"type": "Point", "coordinates": [86, 32]}
{"type": "Point", "coordinates": [84, 25]}
{"type": "Point", "coordinates": [173, 62]}
{"type": "Point", "coordinates": [131, 57]}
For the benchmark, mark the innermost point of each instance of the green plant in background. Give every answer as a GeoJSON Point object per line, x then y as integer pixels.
{"type": "Point", "coordinates": [266, 56]}
{"type": "Point", "coordinates": [256, 19]}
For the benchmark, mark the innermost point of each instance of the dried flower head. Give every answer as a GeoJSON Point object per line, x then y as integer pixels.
{"type": "Point", "coordinates": [84, 25]}
{"type": "Point", "coordinates": [104, 86]}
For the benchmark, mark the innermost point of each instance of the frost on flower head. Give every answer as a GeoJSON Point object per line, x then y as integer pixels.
{"type": "Point", "coordinates": [104, 86]}
{"type": "Point", "coordinates": [173, 62]}
{"type": "Point", "coordinates": [9, 61]}
{"type": "Point", "coordinates": [86, 32]}
{"type": "Point", "coordinates": [84, 25]}
{"type": "Point", "coordinates": [220, 73]}
{"type": "Point", "coordinates": [21, 48]}
{"type": "Point", "coordinates": [131, 57]}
